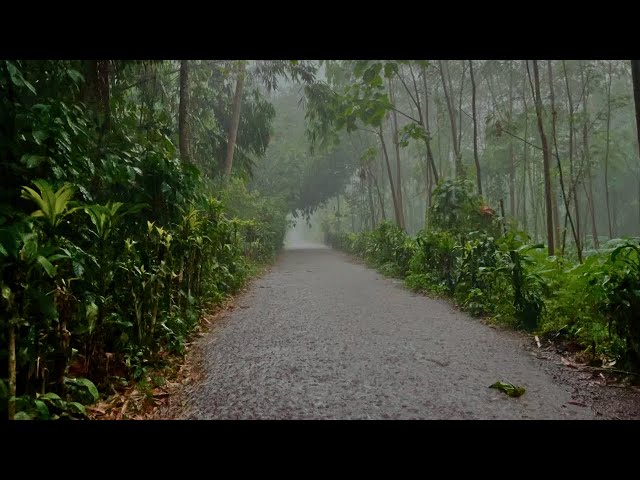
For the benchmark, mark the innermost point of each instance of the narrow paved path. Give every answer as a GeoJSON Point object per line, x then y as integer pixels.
{"type": "Point", "coordinates": [320, 337]}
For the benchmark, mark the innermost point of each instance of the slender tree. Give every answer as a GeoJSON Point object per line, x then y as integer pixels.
{"type": "Point", "coordinates": [183, 112]}
{"type": "Point", "coordinates": [235, 117]}
{"type": "Point", "coordinates": [452, 118]}
{"type": "Point", "coordinates": [576, 236]}
{"type": "Point", "coordinates": [475, 128]}
{"type": "Point", "coordinates": [545, 155]}
{"type": "Point", "coordinates": [635, 76]}
{"type": "Point", "coordinates": [606, 151]}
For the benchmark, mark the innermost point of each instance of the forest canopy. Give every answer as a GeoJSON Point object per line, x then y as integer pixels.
{"type": "Point", "coordinates": [137, 194]}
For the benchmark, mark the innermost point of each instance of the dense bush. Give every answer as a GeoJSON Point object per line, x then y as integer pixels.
{"type": "Point", "coordinates": [465, 256]}
{"type": "Point", "coordinates": [386, 247]}
{"type": "Point", "coordinates": [106, 264]}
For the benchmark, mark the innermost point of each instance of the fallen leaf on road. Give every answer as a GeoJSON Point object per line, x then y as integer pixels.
{"type": "Point", "coordinates": [509, 388]}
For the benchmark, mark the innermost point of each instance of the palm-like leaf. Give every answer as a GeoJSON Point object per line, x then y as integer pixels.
{"type": "Point", "coordinates": [53, 205]}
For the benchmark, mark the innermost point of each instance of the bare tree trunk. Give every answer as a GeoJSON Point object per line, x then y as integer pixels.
{"type": "Point", "coordinates": [525, 168]}
{"type": "Point", "coordinates": [434, 171]}
{"type": "Point", "coordinates": [525, 165]}
{"type": "Point", "coordinates": [545, 157]}
{"type": "Point", "coordinates": [635, 76]}
{"type": "Point", "coordinates": [576, 237]}
{"type": "Point", "coordinates": [235, 119]}
{"type": "Point", "coordinates": [452, 119]}
{"type": "Point", "coordinates": [396, 143]}
{"type": "Point", "coordinates": [382, 213]}
{"type": "Point", "coordinates": [554, 183]}
{"type": "Point", "coordinates": [183, 112]}
{"type": "Point", "coordinates": [105, 91]}
{"type": "Point", "coordinates": [370, 196]}
{"type": "Point", "coordinates": [475, 131]}
{"type": "Point", "coordinates": [462, 77]}
{"type": "Point", "coordinates": [606, 153]}
{"type": "Point", "coordinates": [98, 89]}
{"type": "Point", "coordinates": [512, 163]}
{"type": "Point", "coordinates": [572, 192]}
{"type": "Point", "coordinates": [397, 212]}
{"type": "Point", "coordinates": [587, 160]}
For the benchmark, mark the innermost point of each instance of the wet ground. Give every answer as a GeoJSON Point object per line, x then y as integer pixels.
{"type": "Point", "coordinates": [323, 337]}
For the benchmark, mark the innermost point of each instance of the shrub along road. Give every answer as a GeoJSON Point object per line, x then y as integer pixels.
{"type": "Point", "coordinates": [320, 337]}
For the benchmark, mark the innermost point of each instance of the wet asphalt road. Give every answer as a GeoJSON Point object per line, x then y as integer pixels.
{"type": "Point", "coordinates": [320, 337]}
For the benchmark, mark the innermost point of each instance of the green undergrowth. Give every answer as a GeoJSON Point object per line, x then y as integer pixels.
{"type": "Point", "coordinates": [496, 272]}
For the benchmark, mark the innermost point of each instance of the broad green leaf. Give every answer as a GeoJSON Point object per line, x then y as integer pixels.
{"type": "Point", "coordinates": [84, 389]}
{"type": "Point", "coordinates": [14, 74]}
{"type": "Point", "coordinates": [41, 408]}
{"type": "Point", "coordinates": [76, 408]}
{"type": "Point", "coordinates": [508, 388]}
{"type": "Point", "coordinates": [32, 161]}
{"type": "Point", "coordinates": [47, 265]}
{"type": "Point", "coordinates": [50, 396]}
{"type": "Point", "coordinates": [39, 136]}
{"type": "Point", "coordinates": [75, 75]}
{"type": "Point", "coordinates": [23, 416]}
{"type": "Point", "coordinates": [390, 69]}
{"type": "Point", "coordinates": [372, 72]}
{"type": "Point", "coordinates": [16, 77]}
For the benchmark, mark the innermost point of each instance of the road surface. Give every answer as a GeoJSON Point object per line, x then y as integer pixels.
{"type": "Point", "coordinates": [323, 337]}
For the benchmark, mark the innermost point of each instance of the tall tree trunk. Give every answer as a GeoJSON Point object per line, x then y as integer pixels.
{"type": "Point", "coordinates": [576, 237]}
{"type": "Point", "coordinates": [587, 160]}
{"type": "Point", "coordinates": [370, 195]}
{"type": "Point", "coordinates": [183, 112]}
{"type": "Point", "coordinates": [425, 121]}
{"type": "Point", "coordinates": [475, 129]}
{"type": "Point", "coordinates": [462, 78]}
{"type": "Point", "coordinates": [512, 162]}
{"type": "Point", "coordinates": [105, 92]}
{"type": "Point", "coordinates": [606, 153]}
{"type": "Point", "coordinates": [635, 76]}
{"type": "Point", "coordinates": [396, 143]}
{"type": "Point", "coordinates": [525, 147]}
{"type": "Point", "coordinates": [554, 187]}
{"type": "Point", "coordinates": [235, 118]}
{"type": "Point", "coordinates": [572, 192]}
{"type": "Point", "coordinates": [380, 200]}
{"type": "Point", "coordinates": [545, 157]}
{"type": "Point", "coordinates": [439, 121]}
{"type": "Point", "coordinates": [97, 89]}
{"type": "Point", "coordinates": [452, 120]}
{"type": "Point", "coordinates": [396, 210]}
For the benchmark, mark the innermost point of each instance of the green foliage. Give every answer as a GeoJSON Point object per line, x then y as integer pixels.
{"type": "Point", "coordinates": [434, 261]}
{"type": "Point", "coordinates": [509, 388]}
{"type": "Point", "coordinates": [386, 247]}
{"type": "Point", "coordinates": [48, 406]}
{"type": "Point", "coordinates": [456, 209]}
{"type": "Point", "coordinates": [621, 287]}
{"type": "Point", "coordinates": [53, 205]}
{"type": "Point", "coordinates": [508, 278]}
{"type": "Point", "coordinates": [111, 291]}
{"type": "Point", "coordinates": [83, 390]}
